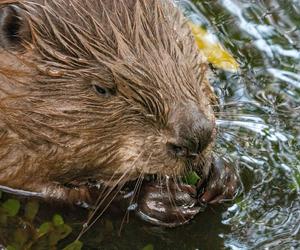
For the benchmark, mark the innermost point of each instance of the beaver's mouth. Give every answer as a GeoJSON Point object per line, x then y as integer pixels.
{"type": "Point", "coordinates": [197, 165]}
{"type": "Point", "coordinates": [193, 167]}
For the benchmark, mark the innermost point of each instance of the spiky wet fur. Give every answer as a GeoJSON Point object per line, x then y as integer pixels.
{"type": "Point", "coordinates": [55, 129]}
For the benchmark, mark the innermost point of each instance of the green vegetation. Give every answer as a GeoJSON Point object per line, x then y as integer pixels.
{"type": "Point", "coordinates": [192, 178]}
{"type": "Point", "coordinates": [19, 229]}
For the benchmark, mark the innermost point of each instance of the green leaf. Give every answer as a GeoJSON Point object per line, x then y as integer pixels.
{"type": "Point", "coordinates": [76, 245]}
{"type": "Point", "coordinates": [58, 234]}
{"type": "Point", "coordinates": [11, 207]}
{"type": "Point", "coordinates": [191, 178]}
{"type": "Point", "coordinates": [148, 247]}
{"type": "Point", "coordinates": [54, 238]}
{"type": "Point", "coordinates": [10, 248]}
{"type": "Point", "coordinates": [0, 194]}
{"type": "Point", "coordinates": [57, 220]}
{"type": "Point", "coordinates": [64, 231]}
{"type": "Point", "coordinates": [31, 209]}
{"type": "Point", "coordinates": [3, 218]}
{"type": "Point", "coordinates": [21, 236]}
{"type": "Point", "coordinates": [44, 229]}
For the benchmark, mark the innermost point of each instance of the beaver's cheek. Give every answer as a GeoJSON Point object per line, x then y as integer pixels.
{"type": "Point", "coordinates": [167, 205]}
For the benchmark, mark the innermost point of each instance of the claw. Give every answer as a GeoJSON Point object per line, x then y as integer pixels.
{"type": "Point", "coordinates": [167, 206]}
{"type": "Point", "coordinates": [222, 184]}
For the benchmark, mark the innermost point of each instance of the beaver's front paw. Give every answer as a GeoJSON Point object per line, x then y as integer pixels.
{"type": "Point", "coordinates": [167, 205]}
{"type": "Point", "coordinates": [222, 184]}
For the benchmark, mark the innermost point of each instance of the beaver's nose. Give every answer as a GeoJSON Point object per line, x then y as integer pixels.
{"type": "Point", "coordinates": [191, 131]}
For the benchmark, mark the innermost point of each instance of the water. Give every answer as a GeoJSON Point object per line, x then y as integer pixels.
{"type": "Point", "coordinates": [259, 130]}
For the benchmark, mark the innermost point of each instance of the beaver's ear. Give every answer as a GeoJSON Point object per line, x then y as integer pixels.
{"type": "Point", "coordinates": [14, 28]}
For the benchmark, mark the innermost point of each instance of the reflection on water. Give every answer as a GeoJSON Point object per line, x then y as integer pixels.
{"type": "Point", "coordinates": [260, 128]}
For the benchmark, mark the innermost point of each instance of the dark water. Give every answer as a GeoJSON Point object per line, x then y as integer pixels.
{"type": "Point", "coordinates": [259, 130]}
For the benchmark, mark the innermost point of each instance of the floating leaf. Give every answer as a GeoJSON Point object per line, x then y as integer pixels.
{"type": "Point", "coordinates": [54, 238]}
{"type": "Point", "coordinates": [59, 233]}
{"type": "Point", "coordinates": [191, 178]}
{"type": "Point", "coordinates": [57, 220]}
{"type": "Point", "coordinates": [44, 229]}
{"type": "Point", "coordinates": [21, 236]}
{"type": "Point", "coordinates": [26, 235]}
{"type": "Point", "coordinates": [148, 247]}
{"type": "Point", "coordinates": [3, 218]}
{"type": "Point", "coordinates": [64, 231]}
{"type": "Point", "coordinates": [11, 207]}
{"type": "Point", "coordinates": [10, 248]}
{"type": "Point", "coordinates": [213, 50]}
{"type": "Point", "coordinates": [31, 209]}
{"type": "Point", "coordinates": [76, 245]}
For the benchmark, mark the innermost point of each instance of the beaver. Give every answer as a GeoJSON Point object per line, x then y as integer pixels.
{"type": "Point", "coordinates": [107, 91]}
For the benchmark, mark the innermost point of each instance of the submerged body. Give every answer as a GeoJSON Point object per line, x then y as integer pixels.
{"type": "Point", "coordinates": [101, 90]}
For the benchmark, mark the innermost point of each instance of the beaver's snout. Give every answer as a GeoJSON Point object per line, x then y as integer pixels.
{"type": "Point", "coordinates": [190, 131]}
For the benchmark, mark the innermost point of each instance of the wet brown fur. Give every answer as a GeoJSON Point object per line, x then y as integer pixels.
{"type": "Point", "coordinates": [55, 129]}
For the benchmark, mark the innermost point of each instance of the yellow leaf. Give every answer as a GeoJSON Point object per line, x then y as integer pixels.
{"type": "Point", "coordinates": [213, 50]}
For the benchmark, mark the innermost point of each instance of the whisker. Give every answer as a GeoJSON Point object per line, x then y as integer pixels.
{"type": "Point", "coordinates": [201, 160]}
{"type": "Point", "coordinates": [101, 199]}
{"type": "Point", "coordinates": [121, 184]}
{"type": "Point", "coordinates": [172, 201]}
{"type": "Point", "coordinates": [142, 177]}
{"type": "Point", "coordinates": [136, 189]}
{"type": "Point", "coordinates": [104, 190]}
{"type": "Point", "coordinates": [175, 180]}
{"type": "Point", "coordinates": [160, 183]}
{"type": "Point", "coordinates": [136, 193]}
{"type": "Point", "coordinates": [124, 174]}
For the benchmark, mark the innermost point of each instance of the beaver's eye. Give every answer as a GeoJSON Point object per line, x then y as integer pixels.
{"type": "Point", "coordinates": [104, 91]}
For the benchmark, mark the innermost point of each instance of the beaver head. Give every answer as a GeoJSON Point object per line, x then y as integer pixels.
{"type": "Point", "coordinates": [100, 89]}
